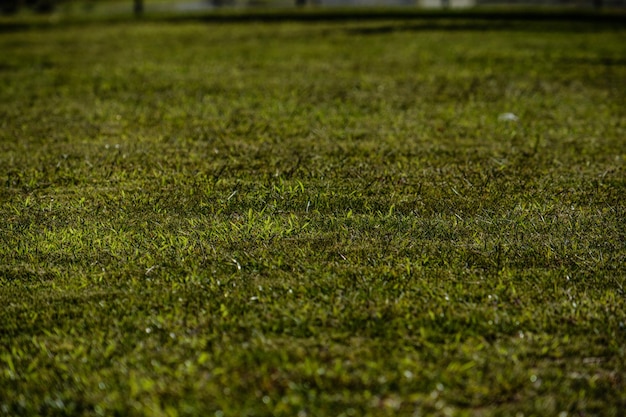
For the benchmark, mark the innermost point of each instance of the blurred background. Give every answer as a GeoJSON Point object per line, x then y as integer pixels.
{"type": "Point", "coordinates": [11, 7]}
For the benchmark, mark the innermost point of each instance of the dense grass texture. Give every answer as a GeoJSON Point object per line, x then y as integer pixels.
{"type": "Point", "coordinates": [313, 218]}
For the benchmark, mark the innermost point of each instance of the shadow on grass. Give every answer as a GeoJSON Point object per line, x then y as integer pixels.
{"type": "Point", "coordinates": [486, 26]}
{"type": "Point", "coordinates": [537, 20]}
{"type": "Point", "coordinates": [550, 20]}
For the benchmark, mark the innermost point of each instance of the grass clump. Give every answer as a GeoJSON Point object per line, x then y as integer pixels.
{"type": "Point", "coordinates": [312, 219]}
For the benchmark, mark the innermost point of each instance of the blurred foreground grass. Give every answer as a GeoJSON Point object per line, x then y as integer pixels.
{"type": "Point", "coordinates": [313, 219]}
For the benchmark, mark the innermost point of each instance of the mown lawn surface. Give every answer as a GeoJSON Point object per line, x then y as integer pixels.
{"type": "Point", "coordinates": [315, 219]}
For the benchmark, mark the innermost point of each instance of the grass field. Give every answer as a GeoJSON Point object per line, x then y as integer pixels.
{"type": "Point", "coordinates": [313, 218]}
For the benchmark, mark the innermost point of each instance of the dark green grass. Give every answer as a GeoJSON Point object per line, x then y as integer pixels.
{"type": "Point", "coordinates": [312, 219]}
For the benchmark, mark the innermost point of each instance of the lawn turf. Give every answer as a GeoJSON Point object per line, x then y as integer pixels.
{"type": "Point", "coordinates": [313, 218]}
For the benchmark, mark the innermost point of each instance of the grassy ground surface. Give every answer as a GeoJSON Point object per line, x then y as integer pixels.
{"type": "Point", "coordinates": [313, 219]}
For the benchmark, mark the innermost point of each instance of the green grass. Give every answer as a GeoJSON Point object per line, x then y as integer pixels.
{"type": "Point", "coordinates": [313, 219]}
